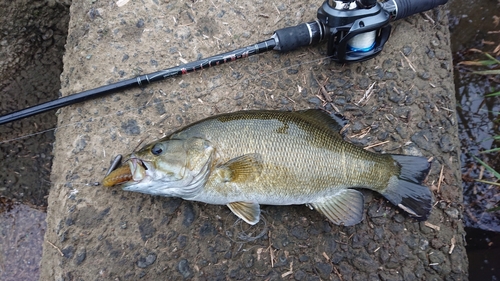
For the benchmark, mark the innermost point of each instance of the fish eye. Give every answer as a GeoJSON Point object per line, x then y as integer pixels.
{"type": "Point", "coordinates": [158, 149]}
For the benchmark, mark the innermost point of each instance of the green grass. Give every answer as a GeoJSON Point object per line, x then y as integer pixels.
{"type": "Point", "coordinates": [487, 167]}
{"type": "Point", "coordinates": [493, 66]}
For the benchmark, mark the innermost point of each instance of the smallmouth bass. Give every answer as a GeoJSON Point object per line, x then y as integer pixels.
{"type": "Point", "coordinates": [248, 158]}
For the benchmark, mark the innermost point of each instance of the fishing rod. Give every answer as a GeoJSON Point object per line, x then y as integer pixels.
{"type": "Point", "coordinates": [356, 30]}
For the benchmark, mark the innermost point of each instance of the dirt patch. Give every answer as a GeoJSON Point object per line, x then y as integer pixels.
{"type": "Point", "coordinates": [110, 234]}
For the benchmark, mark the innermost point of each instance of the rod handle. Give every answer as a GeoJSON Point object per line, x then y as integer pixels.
{"type": "Point", "coordinates": [294, 37]}
{"type": "Point", "coordinates": [406, 8]}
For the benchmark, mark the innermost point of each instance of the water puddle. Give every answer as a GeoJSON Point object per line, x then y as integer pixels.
{"type": "Point", "coordinates": [477, 115]}
{"type": "Point", "coordinates": [21, 237]}
{"type": "Point", "coordinates": [478, 122]}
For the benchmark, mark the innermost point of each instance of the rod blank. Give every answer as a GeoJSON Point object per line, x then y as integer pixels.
{"type": "Point", "coordinates": [260, 47]}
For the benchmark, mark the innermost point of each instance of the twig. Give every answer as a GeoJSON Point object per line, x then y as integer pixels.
{"type": "Point", "coordinates": [321, 99]}
{"type": "Point", "coordinates": [440, 179]}
{"type": "Point", "coordinates": [326, 256]}
{"type": "Point", "coordinates": [271, 251]}
{"type": "Point", "coordinates": [322, 89]}
{"type": "Point", "coordinates": [288, 272]}
{"type": "Point", "coordinates": [367, 94]}
{"type": "Point", "coordinates": [408, 61]}
{"type": "Point", "coordinates": [214, 4]}
{"type": "Point", "coordinates": [338, 273]}
{"type": "Point", "coordinates": [430, 225]}
{"type": "Point", "coordinates": [335, 107]}
{"type": "Point", "coordinates": [362, 134]}
{"type": "Point", "coordinates": [429, 18]}
{"type": "Point", "coordinates": [290, 99]}
{"type": "Point", "coordinates": [453, 240]}
{"type": "Point", "coordinates": [447, 109]}
{"type": "Point", "coordinates": [481, 172]}
{"type": "Point", "coordinates": [277, 10]}
{"type": "Point", "coordinates": [121, 3]}
{"type": "Point", "coordinates": [376, 144]}
{"type": "Point", "coordinates": [57, 248]}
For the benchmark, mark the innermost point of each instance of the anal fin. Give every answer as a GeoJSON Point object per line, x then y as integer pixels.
{"type": "Point", "coordinates": [343, 208]}
{"type": "Point", "coordinates": [249, 212]}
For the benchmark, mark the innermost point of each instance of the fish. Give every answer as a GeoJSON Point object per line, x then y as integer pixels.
{"type": "Point", "coordinates": [245, 159]}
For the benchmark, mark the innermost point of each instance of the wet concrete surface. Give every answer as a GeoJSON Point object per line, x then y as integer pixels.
{"type": "Point", "coordinates": [109, 234]}
{"type": "Point", "coordinates": [31, 46]}
{"type": "Point", "coordinates": [22, 231]}
{"type": "Point", "coordinates": [147, 227]}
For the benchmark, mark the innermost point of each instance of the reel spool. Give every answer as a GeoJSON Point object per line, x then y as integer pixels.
{"type": "Point", "coordinates": [356, 30]}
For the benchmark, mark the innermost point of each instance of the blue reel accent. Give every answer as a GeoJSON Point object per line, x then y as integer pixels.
{"type": "Point", "coordinates": [361, 50]}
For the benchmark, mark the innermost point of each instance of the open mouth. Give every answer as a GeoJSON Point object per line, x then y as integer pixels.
{"type": "Point", "coordinates": [133, 169]}
{"type": "Point", "coordinates": [138, 169]}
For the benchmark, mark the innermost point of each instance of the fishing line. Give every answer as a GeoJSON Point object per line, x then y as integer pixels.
{"type": "Point", "coordinates": [354, 30]}
{"type": "Point", "coordinates": [246, 236]}
{"type": "Point", "coordinates": [150, 104]}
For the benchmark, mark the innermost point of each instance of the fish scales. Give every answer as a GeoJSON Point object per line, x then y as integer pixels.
{"type": "Point", "coordinates": [247, 158]}
{"type": "Point", "coordinates": [299, 158]}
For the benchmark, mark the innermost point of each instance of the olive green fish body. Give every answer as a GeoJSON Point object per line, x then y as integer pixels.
{"type": "Point", "coordinates": [300, 160]}
{"type": "Point", "coordinates": [248, 158]}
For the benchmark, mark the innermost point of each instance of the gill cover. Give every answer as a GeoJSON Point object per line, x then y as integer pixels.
{"type": "Point", "coordinates": [171, 167]}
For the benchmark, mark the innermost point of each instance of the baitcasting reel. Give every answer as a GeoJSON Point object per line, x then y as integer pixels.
{"type": "Point", "coordinates": [355, 30]}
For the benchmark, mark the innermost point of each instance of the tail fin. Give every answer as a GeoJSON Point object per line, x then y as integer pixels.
{"type": "Point", "coordinates": [406, 191]}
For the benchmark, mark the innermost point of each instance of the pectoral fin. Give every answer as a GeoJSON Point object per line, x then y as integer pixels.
{"type": "Point", "coordinates": [241, 169]}
{"type": "Point", "coordinates": [343, 208]}
{"type": "Point", "coordinates": [249, 212]}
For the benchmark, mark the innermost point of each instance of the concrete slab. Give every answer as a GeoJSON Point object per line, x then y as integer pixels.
{"type": "Point", "coordinates": [108, 234]}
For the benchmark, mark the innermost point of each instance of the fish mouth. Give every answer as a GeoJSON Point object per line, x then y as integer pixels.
{"type": "Point", "coordinates": [132, 171]}
{"type": "Point", "coordinates": [140, 169]}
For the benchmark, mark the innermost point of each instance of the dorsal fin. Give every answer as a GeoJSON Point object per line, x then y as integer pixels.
{"type": "Point", "coordinates": [333, 122]}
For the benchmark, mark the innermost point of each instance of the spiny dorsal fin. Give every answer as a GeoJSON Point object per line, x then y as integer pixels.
{"type": "Point", "coordinates": [333, 122]}
{"type": "Point", "coordinates": [249, 212]}
{"type": "Point", "coordinates": [343, 208]}
{"type": "Point", "coordinates": [241, 169]}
